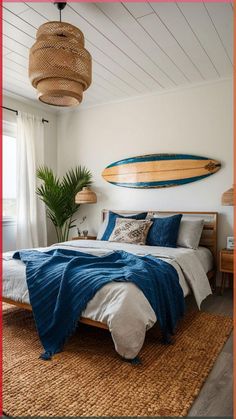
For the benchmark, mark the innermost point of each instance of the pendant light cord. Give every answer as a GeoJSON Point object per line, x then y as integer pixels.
{"type": "Point", "coordinates": [60, 7]}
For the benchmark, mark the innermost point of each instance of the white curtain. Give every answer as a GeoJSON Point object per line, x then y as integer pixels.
{"type": "Point", "coordinates": [31, 216]}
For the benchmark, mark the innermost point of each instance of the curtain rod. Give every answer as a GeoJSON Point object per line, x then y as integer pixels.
{"type": "Point", "coordinates": [16, 112]}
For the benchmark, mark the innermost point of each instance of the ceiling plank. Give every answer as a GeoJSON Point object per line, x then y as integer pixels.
{"type": "Point", "coordinates": [203, 28]}
{"type": "Point", "coordinates": [14, 89]}
{"type": "Point", "coordinates": [106, 27]}
{"type": "Point", "coordinates": [171, 16]}
{"type": "Point", "coordinates": [17, 87]}
{"type": "Point", "coordinates": [91, 96]}
{"type": "Point", "coordinates": [15, 46]}
{"type": "Point", "coordinates": [167, 41]}
{"type": "Point", "coordinates": [5, 51]}
{"type": "Point", "coordinates": [138, 9]}
{"type": "Point", "coordinates": [101, 80]}
{"type": "Point", "coordinates": [33, 17]}
{"type": "Point", "coordinates": [114, 67]}
{"type": "Point", "coordinates": [104, 93]}
{"type": "Point", "coordinates": [9, 63]}
{"type": "Point", "coordinates": [19, 59]}
{"type": "Point", "coordinates": [16, 34]}
{"type": "Point", "coordinates": [16, 7]}
{"type": "Point", "coordinates": [19, 23]}
{"type": "Point", "coordinates": [14, 77]}
{"type": "Point", "coordinates": [222, 18]}
{"type": "Point", "coordinates": [112, 78]}
{"type": "Point", "coordinates": [168, 73]}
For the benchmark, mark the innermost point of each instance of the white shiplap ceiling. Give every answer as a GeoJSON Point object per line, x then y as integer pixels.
{"type": "Point", "coordinates": [137, 48]}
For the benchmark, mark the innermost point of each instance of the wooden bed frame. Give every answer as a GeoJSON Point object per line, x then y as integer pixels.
{"type": "Point", "coordinates": [208, 239]}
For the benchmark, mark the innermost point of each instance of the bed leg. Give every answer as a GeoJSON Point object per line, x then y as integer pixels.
{"type": "Point", "coordinates": [213, 283]}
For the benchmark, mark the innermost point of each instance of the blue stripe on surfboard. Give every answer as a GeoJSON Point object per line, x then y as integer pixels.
{"type": "Point", "coordinates": [156, 157]}
{"type": "Point", "coordinates": [160, 183]}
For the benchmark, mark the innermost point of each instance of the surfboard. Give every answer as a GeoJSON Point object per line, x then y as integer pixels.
{"type": "Point", "coordinates": [159, 170]}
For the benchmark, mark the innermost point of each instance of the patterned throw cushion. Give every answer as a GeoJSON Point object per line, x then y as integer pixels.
{"type": "Point", "coordinates": [110, 221]}
{"type": "Point", "coordinates": [130, 231]}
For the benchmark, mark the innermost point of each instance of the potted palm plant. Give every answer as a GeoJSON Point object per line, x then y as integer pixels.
{"type": "Point", "coordinates": [59, 196]}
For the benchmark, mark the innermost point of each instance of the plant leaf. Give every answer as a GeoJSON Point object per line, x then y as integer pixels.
{"type": "Point", "coordinates": [59, 195]}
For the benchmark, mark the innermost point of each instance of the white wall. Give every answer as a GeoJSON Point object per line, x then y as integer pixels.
{"type": "Point", "coordinates": [50, 154]}
{"type": "Point", "coordinates": [197, 120]}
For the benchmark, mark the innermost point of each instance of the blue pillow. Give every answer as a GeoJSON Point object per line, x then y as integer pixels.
{"type": "Point", "coordinates": [112, 221]}
{"type": "Point", "coordinates": [164, 231]}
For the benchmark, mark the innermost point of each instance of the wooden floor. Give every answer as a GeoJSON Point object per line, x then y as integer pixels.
{"type": "Point", "coordinates": [216, 396]}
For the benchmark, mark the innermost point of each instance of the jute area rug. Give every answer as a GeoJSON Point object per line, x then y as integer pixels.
{"type": "Point", "coordinates": [90, 379]}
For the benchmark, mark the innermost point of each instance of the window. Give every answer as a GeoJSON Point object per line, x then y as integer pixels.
{"type": "Point", "coordinates": [9, 169]}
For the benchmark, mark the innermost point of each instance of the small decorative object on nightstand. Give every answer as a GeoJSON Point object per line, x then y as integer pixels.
{"type": "Point", "coordinates": [230, 243]}
{"type": "Point", "coordinates": [84, 238]}
{"type": "Point", "coordinates": [226, 266]}
{"type": "Point", "coordinates": [78, 228]}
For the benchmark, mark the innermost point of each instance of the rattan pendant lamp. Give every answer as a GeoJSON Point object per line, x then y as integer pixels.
{"type": "Point", "coordinates": [59, 66]}
{"type": "Point", "coordinates": [86, 196]}
{"type": "Point", "coordinates": [228, 197]}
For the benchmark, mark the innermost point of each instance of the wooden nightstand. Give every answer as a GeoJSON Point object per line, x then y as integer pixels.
{"type": "Point", "coordinates": [84, 238]}
{"type": "Point", "coordinates": [226, 266]}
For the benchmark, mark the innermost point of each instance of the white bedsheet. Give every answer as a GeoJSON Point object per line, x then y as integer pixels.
{"type": "Point", "coordinates": [122, 306]}
{"type": "Point", "coordinates": [206, 258]}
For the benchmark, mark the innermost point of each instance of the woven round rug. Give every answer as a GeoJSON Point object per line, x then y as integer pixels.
{"type": "Point", "coordinates": [90, 379]}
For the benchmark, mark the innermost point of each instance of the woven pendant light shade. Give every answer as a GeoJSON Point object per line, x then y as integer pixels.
{"type": "Point", "coordinates": [59, 66]}
{"type": "Point", "coordinates": [228, 197]}
{"type": "Point", "coordinates": [86, 196]}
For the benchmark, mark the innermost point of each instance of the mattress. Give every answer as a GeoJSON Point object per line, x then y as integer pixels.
{"type": "Point", "coordinates": [122, 306]}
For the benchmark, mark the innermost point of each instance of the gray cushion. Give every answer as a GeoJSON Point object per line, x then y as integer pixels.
{"type": "Point", "coordinates": [190, 232]}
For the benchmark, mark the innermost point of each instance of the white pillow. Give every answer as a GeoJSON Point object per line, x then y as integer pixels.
{"type": "Point", "coordinates": [103, 226]}
{"type": "Point", "coordinates": [190, 232]}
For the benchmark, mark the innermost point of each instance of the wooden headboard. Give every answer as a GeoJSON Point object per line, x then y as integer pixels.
{"type": "Point", "coordinates": [209, 233]}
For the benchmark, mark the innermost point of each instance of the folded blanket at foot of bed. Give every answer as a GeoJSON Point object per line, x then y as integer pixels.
{"type": "Point", "coordinates": [62, 282]}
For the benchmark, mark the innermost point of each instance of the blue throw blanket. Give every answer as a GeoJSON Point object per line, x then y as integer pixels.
{"type": "Point", "coordinates": [62, 282]}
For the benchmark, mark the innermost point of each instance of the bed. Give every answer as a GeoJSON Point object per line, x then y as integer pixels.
{"type": "Point", "coordinates": [115, 303]}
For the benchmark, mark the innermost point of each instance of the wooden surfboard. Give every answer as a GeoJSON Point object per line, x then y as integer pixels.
{"type": "Point", "coordinates": [159, 170]}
